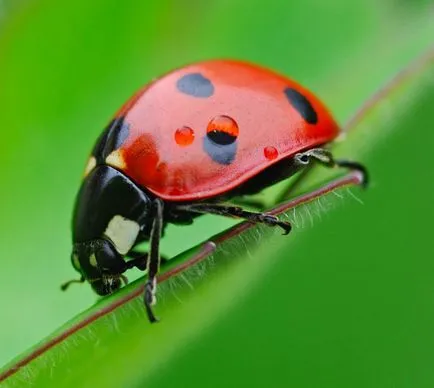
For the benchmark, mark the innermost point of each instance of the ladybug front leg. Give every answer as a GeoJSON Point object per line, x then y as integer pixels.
{"type": "Point", "coordinates": [236, 212]}
{"type": "Point", "coordinates": [326, 158]}
{"type": "Point", "coordinates": [153, 263]}
{"type": "Point", "coordinates": [140, 260]}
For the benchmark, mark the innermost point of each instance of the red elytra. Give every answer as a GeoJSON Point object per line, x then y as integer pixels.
{"type": "Point", "coordinates": [258, 118]}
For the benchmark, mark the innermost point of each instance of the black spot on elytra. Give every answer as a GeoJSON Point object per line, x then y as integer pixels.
{"type": "Point", "coordinates": [220, 137]}
{"type": "Point", "coordinates": [220, 153]}
{"type": "Point", "coordinates": [196, 85]}
{"type": "Point", "coordinates": [302, 105]}
{"type": "Point", "coordinates": [111, 139]}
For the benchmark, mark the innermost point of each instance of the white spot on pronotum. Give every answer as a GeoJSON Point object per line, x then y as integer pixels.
{"type": "Point", "coordinates": [116, 159]}
{"type": "Point", "coordinates": [122, 232]}
{"type": "Point", "coordinates": [92, 260]}
{"type": "Point", "coordinates": [91, 164]}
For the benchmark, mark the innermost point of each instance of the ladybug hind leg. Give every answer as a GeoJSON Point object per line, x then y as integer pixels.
{"type": "Point", "coordinates": [237, 212]}
{"type": "Point", "coordinates": [255, 204]}
{"type": "Point", "coordinates": [326, 158]}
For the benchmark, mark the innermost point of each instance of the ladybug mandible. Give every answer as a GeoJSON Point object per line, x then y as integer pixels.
{"type": "Point", "coordinates": [183, 146]}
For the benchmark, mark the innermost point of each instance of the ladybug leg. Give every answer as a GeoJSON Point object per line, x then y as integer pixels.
{"type": "Point", "coordinates": [250, 203]}
{"type": "Point", "coordinates": [153, 263]}
{"type": "Point", "coordinates": [139, 263]}
{"type": "Point", "coordinates": [140, 260]}
{"type": "Point", "coordinates": [237, 212]}
{"type": "Point", "coordinates": [326, 158]}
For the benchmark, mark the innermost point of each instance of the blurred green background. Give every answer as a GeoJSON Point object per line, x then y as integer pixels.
{"type": "Point", "coordinates": [358, 313]}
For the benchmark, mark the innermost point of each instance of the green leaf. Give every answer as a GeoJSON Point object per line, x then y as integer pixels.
{"type": "Point", "coordinates": [195, 269]}
{"type": "Point", "coordinates": [118, 347]}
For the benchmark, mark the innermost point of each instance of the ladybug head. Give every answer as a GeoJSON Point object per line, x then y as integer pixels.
{"type": "Point", "coordinates": [100, 264]}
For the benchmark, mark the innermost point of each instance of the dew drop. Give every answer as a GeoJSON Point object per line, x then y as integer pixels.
{"type": "Point", "coordinates": [184, 136]}
{"type": "Point", "coordinates": [223, 130]}
{"type": "Point", "coordinates": [270, 152]}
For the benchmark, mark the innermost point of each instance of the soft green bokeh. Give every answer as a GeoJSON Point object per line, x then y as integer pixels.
{"type": "Point", "coordinates": [66, 67]}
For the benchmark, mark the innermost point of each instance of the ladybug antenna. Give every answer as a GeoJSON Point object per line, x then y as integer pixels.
{"type": "Point", "coordinates": [65, 285]}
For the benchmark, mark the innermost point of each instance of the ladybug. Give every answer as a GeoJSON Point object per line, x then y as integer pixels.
{"type": "Point", "coordinates": [185, 145]}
